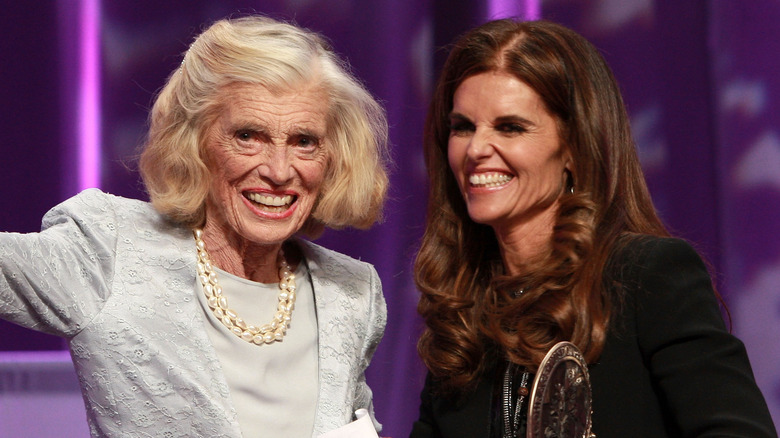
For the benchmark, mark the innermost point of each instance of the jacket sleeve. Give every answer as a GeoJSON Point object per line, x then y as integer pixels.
{"type": "Point", "coordinates": [700, 370]}
{"type": "Point", "coordinates": [55, 281]}
{"type": "Point", "coordinates": [375, 323]}
{"type": "Point", "coordinates": [425, 426]}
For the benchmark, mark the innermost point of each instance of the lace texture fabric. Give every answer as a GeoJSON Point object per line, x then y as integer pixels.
{"type": "Point", "coordinates": [116, 279]}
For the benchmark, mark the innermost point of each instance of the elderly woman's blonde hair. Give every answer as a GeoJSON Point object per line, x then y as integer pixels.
{"type": "Point", "coordinates": [259, 50]}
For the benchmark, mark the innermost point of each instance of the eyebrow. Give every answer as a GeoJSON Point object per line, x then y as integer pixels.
{"type": "Point", "coordinates": [457, 116]}
{"type": "Point", "coordinates": [512, 118]}
{"type": "Point", "coordinates": [307, 132]}
{"type": "Point", "coordinates": [240, 125]}
{"type": "Point", "coordinates": [262, 128]}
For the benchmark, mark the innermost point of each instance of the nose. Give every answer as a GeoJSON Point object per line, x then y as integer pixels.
{"type": "Point", "coordinates": [480, 145]}
{"type": "Point", "coordinates": [276, 165]}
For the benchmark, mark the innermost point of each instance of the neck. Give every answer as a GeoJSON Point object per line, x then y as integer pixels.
{"type": "Point", "coordinates": [241, 257]}
{"type": "Point", "coordinates": [525, 243]}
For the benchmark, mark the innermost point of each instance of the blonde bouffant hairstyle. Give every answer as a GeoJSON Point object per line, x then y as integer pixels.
{"type": "Point", "coordinates": [276, 55]}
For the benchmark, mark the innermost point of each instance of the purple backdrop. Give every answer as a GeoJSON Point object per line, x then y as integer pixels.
{"type": "Point", "coordinates": [698, 77]}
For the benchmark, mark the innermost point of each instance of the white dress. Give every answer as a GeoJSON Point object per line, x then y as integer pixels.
{"type": "Point", "coordinates": [268, 381]}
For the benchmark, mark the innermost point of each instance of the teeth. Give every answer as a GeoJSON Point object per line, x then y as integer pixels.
{"type": "Point", "coordinates": [270, 201]}
{"type": "Point", "coordinates": [489, 179]}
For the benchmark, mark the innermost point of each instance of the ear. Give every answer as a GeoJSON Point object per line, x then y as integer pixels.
{"type": "Point", "coordinates": [568, 171]}
{"type": "Point", "coordinates": [568, 161]}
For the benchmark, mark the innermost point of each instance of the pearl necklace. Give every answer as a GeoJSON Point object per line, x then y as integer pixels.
{"type": "Point", "coordinates": [268, 333]}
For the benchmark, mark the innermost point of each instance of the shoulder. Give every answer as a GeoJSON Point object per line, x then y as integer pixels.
{"type": "Point", "coordinates": [106, 219]}
{"type": "Point", "coordinates": [325, 258]}
{"type": "Point", "coordinates": [93, 205]}
{"type": "Point", "coordinates": [658, 272]}
{"type": "Point", "coordinates": [665, 279]}
{"type": "Point", "coordinates": [644, 257]}
{"type": "Point", "coordinates": [640, 249]}
{"type": "Point", "coordinates": [337, 275]}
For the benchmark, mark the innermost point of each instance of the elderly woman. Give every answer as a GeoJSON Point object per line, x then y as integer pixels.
{"type": "Point", "coordinates": [202, 313]}
{"type": "Point", "coordinates": [541, 230]}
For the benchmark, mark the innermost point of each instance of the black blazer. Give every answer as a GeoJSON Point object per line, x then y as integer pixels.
{"type": "Point", "coordinates": [669, 368]}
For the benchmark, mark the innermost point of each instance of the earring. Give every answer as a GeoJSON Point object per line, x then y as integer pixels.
{"type": "Point", "coordinates": [569, 182]}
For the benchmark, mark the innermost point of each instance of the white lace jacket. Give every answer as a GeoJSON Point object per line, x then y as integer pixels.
{"type": "Point", "coordinates": [117, 280]}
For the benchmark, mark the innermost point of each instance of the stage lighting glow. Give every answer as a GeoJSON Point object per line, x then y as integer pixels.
{"type": "Point", "coordinates": [89, 95]}
{"type": "Point", "coordinates": [525, 9]}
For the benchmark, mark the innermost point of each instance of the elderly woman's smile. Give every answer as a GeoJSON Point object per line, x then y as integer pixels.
{"type": "Point", "coordinates": [274, 204]}
{"type": "Point", "coordinates": [267, 154]}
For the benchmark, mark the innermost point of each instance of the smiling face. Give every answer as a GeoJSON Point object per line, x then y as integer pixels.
{"type": "Point", "coordinates": [267, 155]}
{"type": "Point", "coordinates": [506, 155]}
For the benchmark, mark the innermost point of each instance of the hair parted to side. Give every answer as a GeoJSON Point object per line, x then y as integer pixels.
{"type": "Point", "coordinates": [278, 56]}
{"type": "Point", "coordinates": [472, 315]}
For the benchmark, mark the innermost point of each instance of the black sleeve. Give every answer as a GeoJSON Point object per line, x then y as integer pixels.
{"type": "Point", "coordinates": [425, 426]}
{"type": "Point", "coordinates": [701, 371]}
{"type": "Point", "coordinates": [467, 415]}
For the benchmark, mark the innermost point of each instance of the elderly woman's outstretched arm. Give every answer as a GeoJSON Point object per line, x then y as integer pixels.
{"type": "Point", "coordinates": [55, 281]}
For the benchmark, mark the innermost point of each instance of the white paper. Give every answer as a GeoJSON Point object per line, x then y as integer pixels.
{"type": "Point", "coordinates": [363, 427]}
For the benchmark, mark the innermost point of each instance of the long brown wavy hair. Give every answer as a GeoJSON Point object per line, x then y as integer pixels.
{"type": "Point", "coordinates": [472, 314]}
